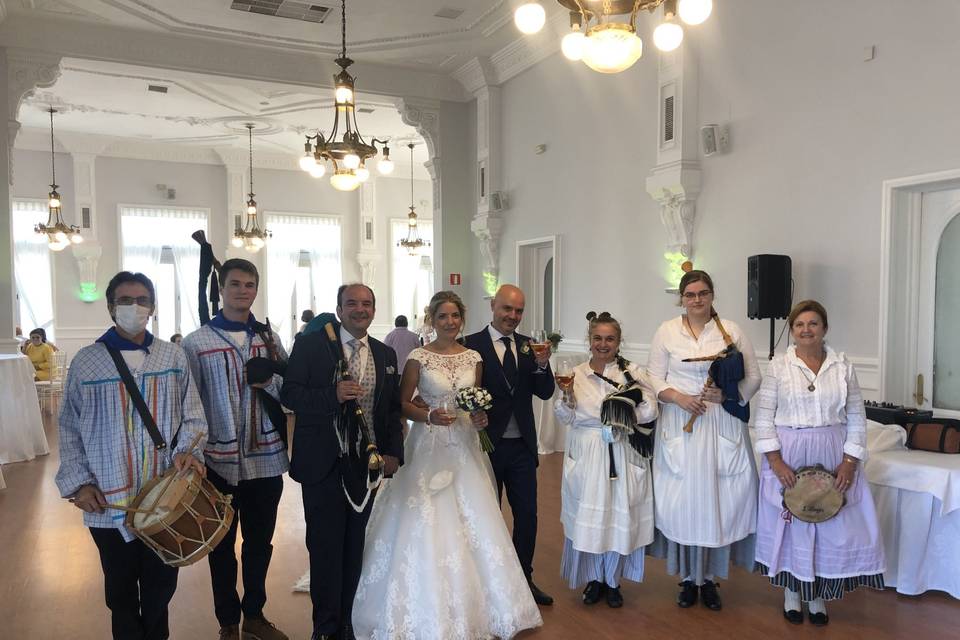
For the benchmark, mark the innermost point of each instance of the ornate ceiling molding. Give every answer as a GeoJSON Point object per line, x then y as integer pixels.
{"type": "Point", "coordinates": [424, 116]}
{"type": "Point", "coordinates": [494, 18]}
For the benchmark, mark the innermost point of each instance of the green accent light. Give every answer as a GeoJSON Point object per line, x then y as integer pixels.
{"type": "Point", "coordinates": [674, 271]}
{"type": "Point", "coordinates": [490, 283]}
{"type": "Point", "coordinates": [88, 292]}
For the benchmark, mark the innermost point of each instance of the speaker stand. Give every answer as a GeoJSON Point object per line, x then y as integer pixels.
{"type": "Point", "coordinates": [772, 331]}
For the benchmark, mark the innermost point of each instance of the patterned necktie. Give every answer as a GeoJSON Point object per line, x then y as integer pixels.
{"type": "Point", "coordinates": [510, 371]}
{"type": "Point", "coordinates": [366, 377]}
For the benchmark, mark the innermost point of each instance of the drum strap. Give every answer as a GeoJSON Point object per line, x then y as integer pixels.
{"type": "Point", "coordinates": [134, 392]}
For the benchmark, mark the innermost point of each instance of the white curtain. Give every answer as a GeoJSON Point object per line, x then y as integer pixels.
{"type": "Point", "coordinates": [411, 276]}
{"type": "Point", "coordinates": [31, 258]}
{"type": "Point", "coordinates": [144, 231]}
{"type": "Point", "coordinates": [319, 237]}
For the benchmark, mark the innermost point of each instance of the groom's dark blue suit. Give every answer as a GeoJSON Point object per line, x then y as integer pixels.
{"type": "Point", "coordinates": [515, 460]}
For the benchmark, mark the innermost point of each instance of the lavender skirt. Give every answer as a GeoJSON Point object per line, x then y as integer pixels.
{"type": "Point", "coordinates": [822, 560]}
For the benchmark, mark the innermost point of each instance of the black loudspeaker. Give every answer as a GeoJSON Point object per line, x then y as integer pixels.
{"type": "Point", "coordinates": [768, 286]}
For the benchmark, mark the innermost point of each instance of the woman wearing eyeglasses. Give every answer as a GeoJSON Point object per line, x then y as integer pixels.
{"type": "Point", "coordinates": [705, 483]}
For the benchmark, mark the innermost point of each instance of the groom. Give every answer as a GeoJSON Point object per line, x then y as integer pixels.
{"type": "Point", "coordinates": [512, 374]}
{"type": "Point", "coordinates": [335, 530]}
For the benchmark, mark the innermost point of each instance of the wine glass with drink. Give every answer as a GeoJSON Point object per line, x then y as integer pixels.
{"type": "Point", "coordinates": [565, 375]}
{"type": "Point", "coordinates": [539, 342]}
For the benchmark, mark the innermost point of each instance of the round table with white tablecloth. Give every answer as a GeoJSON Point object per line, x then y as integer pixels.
{"type": "Point", "coordinates": [551, 435]}
{"type": "Point", "coordinates": [21, 426]}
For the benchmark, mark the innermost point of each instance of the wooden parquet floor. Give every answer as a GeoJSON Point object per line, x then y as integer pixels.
{"type": "Point", "coordinates": [51, 585]}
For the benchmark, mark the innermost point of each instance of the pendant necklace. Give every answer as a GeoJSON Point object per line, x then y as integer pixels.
{"type": "Point", "coordinates": [812, 387]}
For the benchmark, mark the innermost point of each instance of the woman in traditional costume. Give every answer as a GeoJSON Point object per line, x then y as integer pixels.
{"type": "Point", "coordinates": [607, 490]}
{"type": "Point", "coordinates": [704, 478]}
{"type": "Point", "coordinates": [809, 412]}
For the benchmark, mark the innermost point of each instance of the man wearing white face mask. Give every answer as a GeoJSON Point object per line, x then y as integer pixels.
{"type": "Point", "coordinates": [109, 449]}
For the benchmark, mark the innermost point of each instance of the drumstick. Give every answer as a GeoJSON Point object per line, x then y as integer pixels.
{"type": "Point", "coordinates": [120, 507]}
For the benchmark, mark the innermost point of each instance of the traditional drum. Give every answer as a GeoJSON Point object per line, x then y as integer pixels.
{"type": "Point", "coordinates": [814, 497]}
{"type": "Point", "coordinates": [181, 516]}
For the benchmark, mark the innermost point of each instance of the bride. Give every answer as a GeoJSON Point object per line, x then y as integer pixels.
{"type": "Point", "coordinates": [439, 563]}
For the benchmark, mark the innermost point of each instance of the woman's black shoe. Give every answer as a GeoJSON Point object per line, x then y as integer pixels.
{"type": "Point", "coordinates": [614, 597]}
{"type": "Point", "coordinates": [688, 594]}
{"type": "Point", "coordinates": [819, 619]}
{"type": "Point", "coordinates": [793, 617]}
{"type": "Point", "coordinates": [709, 596]}
{"type": "Point", "coordinates": [593, 592]}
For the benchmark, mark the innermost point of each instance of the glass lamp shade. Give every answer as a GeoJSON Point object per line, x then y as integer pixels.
{"type": "Point", "coordinates": [53, 202]}
{"type": "Point", "coordinates": [250, 247]}
{"type": "Point", "coordinates": [385, 166]}
{"type": "Point", "coordinates": [76, 238]}
{"type": "Point", "coordinates": [351, 161]}
{"type": "Point", "coordinates": [237, 241]}
{"type": "Point", "coordinates": [344, 181]}
{"type": "Point", "coordinates": [530, 17]}
{"type": "Point", "coordinates": [60, 236]}
{"type": "Point", "coordinates": [257, 242]}
{"type": "Point", "coordinates": [611, 47]}
{"type": "Point", "coordinates": [343, 94]}
{"type": "Point", "coordinates": [668, 36]}
{"type": "Point", "coordinates": [363, 174]}
{"type": "Point", "coordinates": [307, 162]}
{"type": "Point", "coordinates": [58, 245]}
{"type": "Point", "coordinates": [251, 209]}
{"type": "Point", "coordinates": [317, 170]}
{"type": "Point", "coordinates": [695, 11]}
{"type": "Point", "coordinates": [572, 45]}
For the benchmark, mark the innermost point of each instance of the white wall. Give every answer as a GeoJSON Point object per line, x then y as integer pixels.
{"type": "Point", "coordinates": [814, 128]}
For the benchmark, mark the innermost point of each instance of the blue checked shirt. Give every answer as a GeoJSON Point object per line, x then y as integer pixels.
{"type": "Point", "coordinates": [102, 438]}
{"type": "Point", "coordinates": [243, 443]}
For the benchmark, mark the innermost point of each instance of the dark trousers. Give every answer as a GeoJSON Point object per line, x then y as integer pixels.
{"type": "Point", "coordinates": [255, 505]}
{"type": "Point", "coordinates": [138, 586]}
{"type": "Point", "coordinates": [515, 467]}
{"type": "Point", "coordinates": [335, 534]}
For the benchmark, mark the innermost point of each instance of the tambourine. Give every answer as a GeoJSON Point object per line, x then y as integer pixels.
{"type": "Point", "coordinates": [814, 497]}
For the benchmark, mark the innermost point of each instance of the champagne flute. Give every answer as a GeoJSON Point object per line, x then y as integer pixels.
{"type": "Point", "coordinates": [565, 375]}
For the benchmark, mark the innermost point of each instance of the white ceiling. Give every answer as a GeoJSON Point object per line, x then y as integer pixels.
{"type": "Point", "coordinates": [210, 111]}
{"type": "Point", "coordinates": [395, 32]}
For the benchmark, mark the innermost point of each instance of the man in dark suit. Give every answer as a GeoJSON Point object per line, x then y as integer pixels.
{"type": "Point", "coordinates": [335, 528]}
{"type": "Point", "coordinates": [513, 374]}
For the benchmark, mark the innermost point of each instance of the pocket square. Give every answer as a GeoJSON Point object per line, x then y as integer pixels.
{"type": "Point", "coordinates": [391, 370]}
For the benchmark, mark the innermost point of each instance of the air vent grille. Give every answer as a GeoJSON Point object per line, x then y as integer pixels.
{"type": "Point", "coordinates": [283, 9]}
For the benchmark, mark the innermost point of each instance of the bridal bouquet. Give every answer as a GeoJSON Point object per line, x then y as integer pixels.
{"type": "Point", "coordinates": [473, 399]}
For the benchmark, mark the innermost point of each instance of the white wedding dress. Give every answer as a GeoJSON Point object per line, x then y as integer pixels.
{"type": "Point", "coordinates": [439, 563]}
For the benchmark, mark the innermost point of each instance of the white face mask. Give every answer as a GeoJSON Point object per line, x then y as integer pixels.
{"type": "Point", "coordinates": [132, 318]}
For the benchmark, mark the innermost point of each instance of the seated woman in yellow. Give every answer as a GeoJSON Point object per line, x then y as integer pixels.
{"type": "Point", "coordinates": [40, 354]}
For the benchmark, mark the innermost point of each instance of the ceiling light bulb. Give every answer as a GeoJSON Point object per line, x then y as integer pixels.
{"type": "Point", "coordinates": [344, 181]}
{"type": "Point", "coordinates": [258, 242]}
{"type": "Point", "coordinates": [54, 202]}
{"type": "Point", "coordinates": [237, 241]}
{"type": "Point", "coordinates": [572, 45]}
{"type": "Point", "coordinates": [252, 248]}
{"type": "Point", "coordinates": [343, 94]}
{"type": "Point", "coordinates": [57, 245]}
{"type": "Point", "coordinates": [307, 162]}
{"type": "Point", "coordinates": [694, 11]}
{"type": "Point", "coordinates": [363, 174]}
{"type": "Point", "coordinates": [317, 170]}
{"type": "Point", "coordinates": [668, 36]}
{"type": "Point", "coordinates": [351, 161]}
{"type": "Point", "coordinates": [530, 17]}
{"type": "Point", "coordinates": [251, 209]}
{"type": "Point", "coordinates": [385, 166]}
{"type": "Point", "coordinates": [60, 236]}
{"type": "Point", "coordinates": [76, 238]}
{"type": "Point", "coordinates": [611, 47]}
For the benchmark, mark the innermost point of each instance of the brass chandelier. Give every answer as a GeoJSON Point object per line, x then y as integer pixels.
{"type": "Point", "coordinates": [607, 45]}
{"type": "Point", "coordinates": [349, 152]}
{"type": "Point", "coordinates": [59, 234]}
{"type": "Point", "coordinates": [413, 242]}
{"type": "Point", "coordinates": [250, 236]}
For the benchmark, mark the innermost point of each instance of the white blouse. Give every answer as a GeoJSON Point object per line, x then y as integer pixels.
{"type": "Point", "coordinates": [589, 391]}
{"type": "Point", "coordinates": [786, 401]}
{"type": "Point", "coordinates": [673, 342]}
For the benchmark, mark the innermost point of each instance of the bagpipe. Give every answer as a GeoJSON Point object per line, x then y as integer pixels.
{"type": "Point", "coordinates": [619, 412]}
{"type": "Point", "coordinates": [361, 464]}
{"type": "Point", "coordinates": [726, 371]}
{"type": "Point", "coordinates": [258, 370]}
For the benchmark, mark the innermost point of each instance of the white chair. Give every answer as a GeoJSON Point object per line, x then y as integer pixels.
{"type": "Point", "coordinates": [52, 389]}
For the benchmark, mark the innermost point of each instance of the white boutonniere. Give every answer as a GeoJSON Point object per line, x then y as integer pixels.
{"type": "Point", "coordinates": [525, 347]}
{"type": "Point", "coordinates": [391, 371]}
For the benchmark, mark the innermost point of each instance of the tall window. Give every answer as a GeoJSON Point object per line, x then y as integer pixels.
{"type": "Point", "coordinates": [411, 276]}
{"type": "Point", "coordinates": [303, 269]}
{"type": "Point", "coordinates": [34, 278]}
{"type": "Point", "coordinates": [156, 241]}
